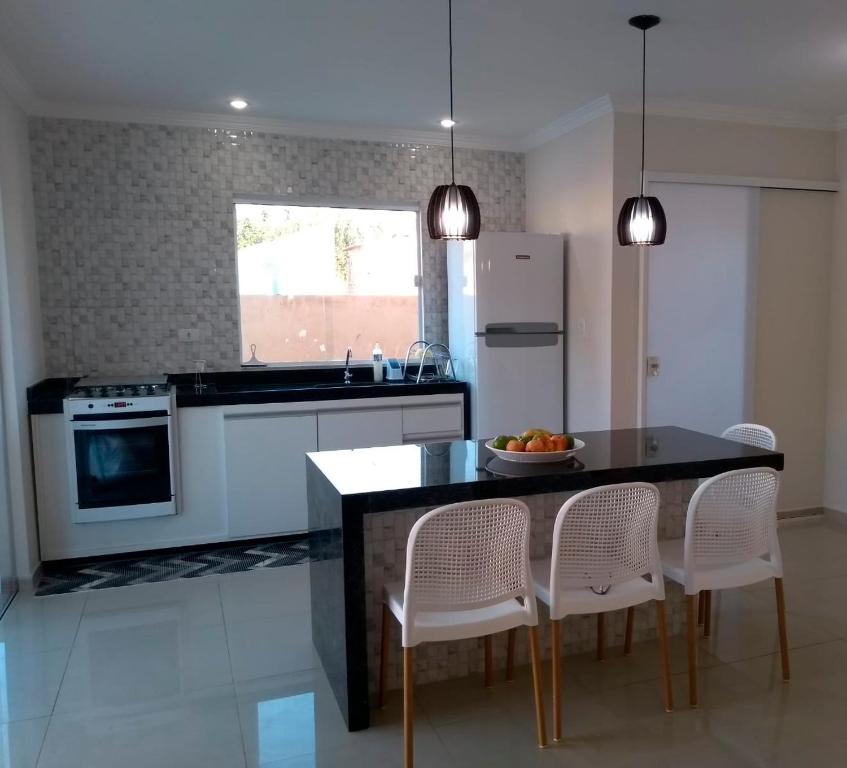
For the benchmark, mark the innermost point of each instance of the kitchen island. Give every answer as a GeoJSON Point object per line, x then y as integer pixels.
{"type": "Point", "coordinates": [363, 503]}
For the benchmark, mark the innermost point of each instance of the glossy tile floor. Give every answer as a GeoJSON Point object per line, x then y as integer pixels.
{"type": "Point", "coordinates": [220, 671]}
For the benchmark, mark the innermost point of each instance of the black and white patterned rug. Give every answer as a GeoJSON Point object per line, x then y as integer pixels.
{"type": "Point", "coordinates": [79, 575]}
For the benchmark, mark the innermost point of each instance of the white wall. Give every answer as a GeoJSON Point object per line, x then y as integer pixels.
{"type": "Point", "coordinates": [792, 335]}
{"type": "Point", "coordinates": [20, 324]}
{"type": "Point", "coordinates": [710, 147]}
{"type": "Point", "coordinates": [569, 191]}
{"type": "Point", "coordinates": [835, 484]}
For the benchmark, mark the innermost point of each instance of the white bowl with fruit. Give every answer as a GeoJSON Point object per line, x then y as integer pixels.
{"type": "Point", "coordinates": [534, 446]}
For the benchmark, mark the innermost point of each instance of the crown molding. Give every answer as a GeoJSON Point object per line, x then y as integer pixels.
{"type": "Point", "coordinates": [695, 110]}
{"type": "Point", "coordinates": [345, 131]}
{"type": "Point", "coordinates": [568, 122]}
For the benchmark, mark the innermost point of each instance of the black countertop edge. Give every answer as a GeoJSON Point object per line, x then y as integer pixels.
{"type": "Point", "coordinates": [187, 397]}
{"type": "Point", "coordinates": [389, 501]}
{"type": "Point", "coordinates": [251, 386]}
{"type": "Point", "coordinates": [46, 396]}
{"type": "Point", "coordinates": [425, 475]}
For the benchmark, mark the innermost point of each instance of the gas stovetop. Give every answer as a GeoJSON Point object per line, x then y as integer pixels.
{"type": "Point", "coordinates": [96, 388]}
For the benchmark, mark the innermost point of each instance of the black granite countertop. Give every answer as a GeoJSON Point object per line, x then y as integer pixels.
{"type": "Point", "coordinates": [258, 386]}
{"type": "Point", "coordinates": [380, 479]}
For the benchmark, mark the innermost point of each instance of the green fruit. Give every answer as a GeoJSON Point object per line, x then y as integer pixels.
{"type": "Point", "coordinates": [501, 442]}
{"type": "Point", "coordinates": [569, 442]}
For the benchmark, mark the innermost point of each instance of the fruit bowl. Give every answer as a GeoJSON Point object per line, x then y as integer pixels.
{"type": "Point", "coordinates": [522, 457]}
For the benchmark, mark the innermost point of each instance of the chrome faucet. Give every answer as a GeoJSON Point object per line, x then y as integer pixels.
{"type": "Point", "coordinates": [348, 377]}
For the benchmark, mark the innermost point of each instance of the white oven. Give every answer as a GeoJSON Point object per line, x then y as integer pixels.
{"type": "Point", "coordinates": [120, 452]}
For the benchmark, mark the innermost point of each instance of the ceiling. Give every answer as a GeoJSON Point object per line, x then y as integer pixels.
{"type": "Point", "coordinates": [518, 65]}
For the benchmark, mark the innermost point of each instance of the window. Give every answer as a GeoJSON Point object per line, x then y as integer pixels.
{"type": "Point", "coordinates": [313, 281]}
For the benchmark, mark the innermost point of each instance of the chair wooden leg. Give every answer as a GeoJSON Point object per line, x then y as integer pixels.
{"type": "Point", "coordinates": [383, 655]}
{"type": "Point", "coordinates": [707, 612]}
{"type": "Point", "coordinates": [488, 668]}
{"type": "Point", "coordinates": [408, 709]}
{"type": "Point", "coordinates": [601, 636]}
{"type": "Point", "coordinates": [701, 608]}
{"type": "Point", "coordinates": [541, 728]}
{"type": "Point", "coordinates": [557, 680]}
{"type": "Point", "coordinates": [510, 655]}
{"type": "Point", "coordinates": [691, 621]}
{"type": "Point", "coordinates": [662, 630]}
{"type": "Point", "coordinates": [783, 635]}
{"type": "Point", "coordinates": [627, 640]}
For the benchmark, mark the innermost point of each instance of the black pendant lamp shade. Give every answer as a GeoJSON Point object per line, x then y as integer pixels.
{"type": "Point", "coordinates": [453, 211]}
{"type": "Point", "coordinates": [642, 222]}
{"type": "Point", "coordinates": [642, 219]}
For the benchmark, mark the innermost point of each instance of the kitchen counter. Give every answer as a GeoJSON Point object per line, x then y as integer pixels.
{"type": "Point", "coordinates": [252, 387]}
{"type": "Point", "coordinates": [293, 392]}
{"type": "Point", "coordinates": [363, 503]}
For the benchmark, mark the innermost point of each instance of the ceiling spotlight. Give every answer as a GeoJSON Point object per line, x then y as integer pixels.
{"type": "Point", "coordinates": [238, 104]}
{"type": "Point", "coordinates": [448, 122]}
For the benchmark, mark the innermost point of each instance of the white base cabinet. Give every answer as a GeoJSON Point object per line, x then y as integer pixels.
{"type": "Point", "coordinates": [241, 469]}
{"type": "Point", "coordinates": [265, 481]}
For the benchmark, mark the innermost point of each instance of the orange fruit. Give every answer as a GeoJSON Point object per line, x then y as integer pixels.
{"type": "Point", "coordinates": [515, 445]}
{"type": "Point", "coordinates": [536, 445]}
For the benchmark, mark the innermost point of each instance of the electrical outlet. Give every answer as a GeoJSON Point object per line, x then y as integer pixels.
{"type": "Point", "coordinates": [189, 334]}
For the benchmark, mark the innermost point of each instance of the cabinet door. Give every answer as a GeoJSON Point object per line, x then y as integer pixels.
{"type": "Point", "coordinates": [367, 428]}
{"type": "Point", "coordinates": [266, 472]}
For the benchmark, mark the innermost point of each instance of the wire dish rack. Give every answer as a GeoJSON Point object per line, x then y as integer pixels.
{"type": "Point", "coordinates": [433, 361]}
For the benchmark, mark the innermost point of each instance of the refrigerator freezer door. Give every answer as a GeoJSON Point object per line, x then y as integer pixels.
{"type": "Point", "coordinates": [519, 278]}
{"type": "Point", "coordinates": [518, 387]}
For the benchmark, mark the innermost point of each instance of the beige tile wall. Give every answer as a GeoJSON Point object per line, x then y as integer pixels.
{"type": "Point", "coordinates": [136, 235]}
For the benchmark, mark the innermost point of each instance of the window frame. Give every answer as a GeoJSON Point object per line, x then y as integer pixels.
{"type": "Point", "coordinates": [326, 202]}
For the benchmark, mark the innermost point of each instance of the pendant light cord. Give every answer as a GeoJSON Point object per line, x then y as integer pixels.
{"type": "Point", "coordinates": [450, 39]}
{"type": "Point", "coordinates": [643, 99]}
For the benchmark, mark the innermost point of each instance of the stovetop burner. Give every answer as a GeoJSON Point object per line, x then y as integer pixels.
{"type": "Point", "coordinates": [92, 387]}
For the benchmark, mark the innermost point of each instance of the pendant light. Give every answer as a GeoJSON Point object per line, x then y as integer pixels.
{"type": "Point", "coordinates": [642, 219]}
{"type": "Point", "coordinates": [453, 211]}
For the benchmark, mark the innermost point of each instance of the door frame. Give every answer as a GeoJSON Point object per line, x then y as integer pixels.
{"type": "Point", "coordinates": [752, 273]}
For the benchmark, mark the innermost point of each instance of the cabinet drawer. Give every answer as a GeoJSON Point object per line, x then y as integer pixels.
{"type": "Point", "coordinates": [340, 430]}
{"type": "Point", "coordinates": [442, 420]}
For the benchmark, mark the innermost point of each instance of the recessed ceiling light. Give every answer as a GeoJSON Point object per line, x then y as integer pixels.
{"type": "Point", "coordinates": [238, 104]}
{"type": "Point", "coordinates": [447, 123]}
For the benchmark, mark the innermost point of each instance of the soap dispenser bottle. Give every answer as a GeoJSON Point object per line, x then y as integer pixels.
{"type": "Point", "coordinates": [377, 363]}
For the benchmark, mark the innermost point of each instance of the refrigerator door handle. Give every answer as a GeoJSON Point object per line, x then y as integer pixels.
{"type": "Point", "coordinates": [483, 334]}
{"type": "Point", "coordinates": [492, 329]}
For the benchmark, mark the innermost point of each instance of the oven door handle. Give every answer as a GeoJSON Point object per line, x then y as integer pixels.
{"type": "Point", "coordinates": [155, 421]}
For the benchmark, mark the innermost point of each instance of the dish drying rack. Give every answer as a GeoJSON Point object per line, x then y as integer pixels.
{"type": "Point", "coordinates": [436, 355]}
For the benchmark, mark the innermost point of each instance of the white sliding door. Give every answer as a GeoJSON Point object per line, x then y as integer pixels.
{"type": "Point", "coordinates": [699, 296]}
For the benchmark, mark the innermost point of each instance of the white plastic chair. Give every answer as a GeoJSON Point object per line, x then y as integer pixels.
{"type": "Point", "coordinates": [730, 541]}
{"type": "Point", "coordinates": [756, 435]}
{"type": "Point", "coordinates": [467, 575]}
{"type": "Point", "coordinates": [604, 545]}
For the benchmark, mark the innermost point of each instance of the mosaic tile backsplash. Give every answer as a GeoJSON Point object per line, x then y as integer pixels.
{"type": "Point", "coordinates": [136, 229]}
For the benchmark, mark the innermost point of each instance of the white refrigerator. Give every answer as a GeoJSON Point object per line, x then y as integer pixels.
{"type": "Point", "coordinates": [506, 308]}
